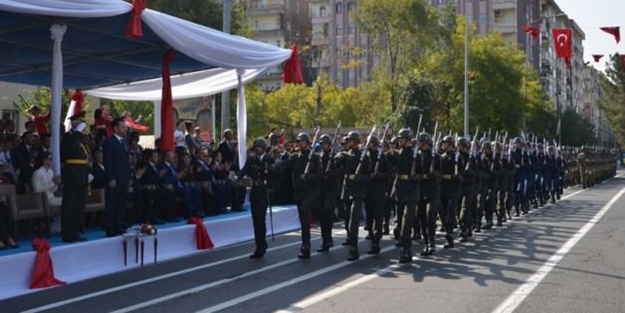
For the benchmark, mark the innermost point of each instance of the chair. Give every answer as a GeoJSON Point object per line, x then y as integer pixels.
{"type": "Point", "coordinates": [24, 207]}
{"type": "Point", "coordinates": [95, 203]}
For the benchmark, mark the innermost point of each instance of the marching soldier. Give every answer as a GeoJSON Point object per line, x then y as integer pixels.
{"type": "Point", "coordinates": [582, 162]}
{"type": "Point", "coordinates": [467, 189]}
{"type": "Point", "coordinates": [490, 173]}
{"type": "Point", "coordinates": [451, 175]}
{"type": "Point", "coordinates": [329, 191]}
{"type": "Point", "coordinates": [355, 166]}
{"type": "Point", "coordinates": [74, 177]}
{"type": "Point", "coordinates": [376, 194]}
{"type": "Point", "coordinates": [518, 159]}
{"type": "Point", "coordinates": [259, 169]}
{"type": "Point", "coordinates": [429, 195]}
{"type": "Point", "coordinates": [306, 172]}
{"type": "Point", "coordinates": [389, 206]}
{"type": "Point", "coordinates": [405, 190]}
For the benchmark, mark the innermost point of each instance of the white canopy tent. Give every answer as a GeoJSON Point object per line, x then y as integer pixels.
{"type": "Point", "coordinates": [97, 53]}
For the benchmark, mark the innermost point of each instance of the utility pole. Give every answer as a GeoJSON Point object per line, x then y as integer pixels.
{"type": "Point", "coordinates": [225, 96]}
{"type": "Point", "coordinates": [466, 70]}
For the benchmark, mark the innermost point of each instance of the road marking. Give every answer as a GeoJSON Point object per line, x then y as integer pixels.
{"type": "Point", "coordinates": [520, 294]}
{"type": "Point", "coordinates": [154, 279]}
{"type": "Point", "coordinates": [301, 305]}
{"type": "Point", "coordinates": [276, 287]}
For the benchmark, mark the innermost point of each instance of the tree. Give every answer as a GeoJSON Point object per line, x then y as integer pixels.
{"type": "Point", "coordinates": [614, 97]}
{"type": "Point", "coordinates": [576, 131]}
{"type": "Point", "coordinates": [42, 98]}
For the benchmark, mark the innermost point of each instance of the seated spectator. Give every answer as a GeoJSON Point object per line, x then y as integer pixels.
{"type": "Point", "coordinates": [98, 171]}
{"type": "Point", "coordinates": [26, 173]}
{"type": "Point", "coordinates": [43, 179]}
{"type": "Point", "coordinates": [6, 240]}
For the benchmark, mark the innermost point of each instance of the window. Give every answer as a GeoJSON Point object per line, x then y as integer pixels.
{"type": "Point", "coordinates": [11, 115]}
{"type": "Point", "coordinates": [339, 7]}
{"type": "Point", "coordinates": [278, 43]}
{"type": "Point", "coordinates": [339, 30]}
{"type": "Point", "coordinates": [351, 6]}
{"type": "Point", "coordinates": [256, 24]}
{"type": "Point", "coordinates": [352, 29]}
{"type": "Point", "coordinates": [322, 11]}
{"type": "Point", "coordinates": [326, 29]}
{"type": "Point", "coordinates": [482, 19]}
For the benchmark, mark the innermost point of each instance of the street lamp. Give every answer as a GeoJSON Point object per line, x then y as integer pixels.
{"type": "Point", "coordinates": [466, 69]}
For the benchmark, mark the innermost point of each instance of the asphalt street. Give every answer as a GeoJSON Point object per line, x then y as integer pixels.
{"type": "Point", "coordinates": [565, 257]}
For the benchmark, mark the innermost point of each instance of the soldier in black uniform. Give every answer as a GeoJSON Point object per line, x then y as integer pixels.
{"type": "Point", "coordinates": [75, 159]}
{"type": "Point", "coordinates": [429, 195]}
{"type": "Point", "coordinates": [306, 172]}
{"type": "Point", "coordinates": [451, 174]}
{"type": "Point", "coordinates": [467, 189]}
{"type": "Point", "coordinates": [405, 190]}
{"type": "Point", "coordinates": [389, 206]}
{"type": "Point", "coordinates": [259, 168]}
{"type": "Point", "coordinates": [329, 191]}
{"type": "Point", "coordinates": [354, 165]}
{"type": "Point", "coordinates": [375, 198]}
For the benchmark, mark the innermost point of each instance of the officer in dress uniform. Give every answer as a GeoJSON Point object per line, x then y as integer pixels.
{"type": "Point", "coordinates": [74, 177]}
{"type": "Point", "coordinates": [354, 165]}
{"type": "Point", "coordinates": [150, 182]}
{"type": "Point", "coordinates": [259, 169]}
{"type": "Point", "coordinates": [405, 191]}
{"type": "Point", "coordinates": [305, 168]}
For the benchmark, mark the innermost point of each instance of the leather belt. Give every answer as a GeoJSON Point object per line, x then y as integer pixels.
{"type": "Point", "coordinates": [425, 176]}
{"type": "Point", "coordinates": [403, 177]}
{"type": "Point", "coordinates": [149, 187]}
{"type": "Point", "coordinates": [76, 162]}
{"type": "Point", "coordinates": [448, 177]}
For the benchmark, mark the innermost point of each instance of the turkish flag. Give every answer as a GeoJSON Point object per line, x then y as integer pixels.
{"type": "Point", "coordinates": [614, 31]}
{"type": "Point", "coordinates": [597, 57]}
{"type": "Point", "coordinates": [562, 37]}
{"type": "Point", "coordinates": [532, 31]}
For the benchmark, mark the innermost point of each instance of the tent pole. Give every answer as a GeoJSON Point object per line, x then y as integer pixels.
{"type": "Point", "coordinates": [225, 96]}
{"type": "Point", "coordinates": [57, 31]}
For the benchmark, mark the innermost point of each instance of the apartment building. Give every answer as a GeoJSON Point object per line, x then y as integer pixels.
{"type": "Point", "coordinates": [338, 48]}
{"type": "Point", "coordinates": [592, 95]}
{"type": "Point", "coordinates": [280, 23]}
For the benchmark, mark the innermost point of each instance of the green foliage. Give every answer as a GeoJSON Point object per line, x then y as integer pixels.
{"type": "Point", "coordinates": [576, 131]}
{"type": "Point", "coordinates": [614, 97]}
{"type": "Point", "coordinates": [40, 97]}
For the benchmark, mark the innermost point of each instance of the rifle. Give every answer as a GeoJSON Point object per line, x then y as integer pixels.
{"type": "Point", "coordinates": [312, 151]}
{"type": "Point", "coordinates": [415, 154]}
{"type": "Point", "coordinates": [433, 148]}
{"type": "Point", "coordinates": [377, 164]}
{"type": "Point", "coordinates": [364, 151]}
{"type": "Point", "coordinates": [333, 147]}
{"type": "Point", "coordinates": [472, 152]}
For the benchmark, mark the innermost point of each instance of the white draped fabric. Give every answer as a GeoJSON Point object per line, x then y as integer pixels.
{"type": "Point", "coordinates": [184, 86]}
{"type": "Point", "coordinates": [241, 119]}
{"type": "Point", "coordinates": [57, 32]}
{"type": "Point", "coordinates": [201, 43]}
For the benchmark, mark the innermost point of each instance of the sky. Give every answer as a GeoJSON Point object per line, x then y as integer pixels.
{"type": "Point", "coordinates": [592, 14]}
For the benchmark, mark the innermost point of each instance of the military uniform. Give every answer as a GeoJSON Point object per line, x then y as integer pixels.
{"type": "Point", "coordinates": [469, 181]}
{"type": "Point", "coordinates": [74, 177]}
{"type": "Point", "coordinates": [451, 175]}
{"type": "Point", "coordinates": [429, 195]}
{"type": "Point", "coordinates": [375, 199]}
{"type": "Point", "coordinates": [330, 193]}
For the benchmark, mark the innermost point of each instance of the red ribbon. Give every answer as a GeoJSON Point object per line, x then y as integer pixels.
{"type": "Point", "coordinates": [167, 106]}
{"type": "Point", "coordinates": [79, 98]}
{"type": "Point", "coordinates": [202, 239]}
{"type": "Point", "coordinates": [134, 24]}
{"type": "Point", "coordinates": [43, 275]}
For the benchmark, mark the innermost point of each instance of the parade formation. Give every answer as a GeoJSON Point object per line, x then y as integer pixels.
{"type": "Point", "coordinates": [441, 182]}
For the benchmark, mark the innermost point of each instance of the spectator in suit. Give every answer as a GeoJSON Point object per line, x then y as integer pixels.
{"type": "Point", "coordinates": [172, 185]}
{"type": "Point", "coordinates": [193, 143]}
{"type": "Point", "coordinates": [151, 188]}
{"type": "Point", "coordinates": [26, 172]}
{"type": "Point", "coordinates": [44, 180]}
{"type": "Point", "coordinates": [226, 147]}
{"type": "Point", "coordinates": [118, 173]}
{"type": "Point", "coordinates": [98, 170]}
{"type": "Point", "coordinates": [206, 180]}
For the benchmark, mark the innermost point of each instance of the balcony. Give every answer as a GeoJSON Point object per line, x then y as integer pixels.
{"type": "Point", "coordinates": [504, 28]}
{"type": "Point", "coordinates": [257, 8]}
{"type": "Point", "coordinates": [316, 20]}
{"type": "Point", "coordinates": [271, 32]}
{"type": "Point", "coordinates": [320, 41]}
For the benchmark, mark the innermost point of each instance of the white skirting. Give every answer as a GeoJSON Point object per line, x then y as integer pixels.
{"type": "Point", "coordinates": [105, 256]}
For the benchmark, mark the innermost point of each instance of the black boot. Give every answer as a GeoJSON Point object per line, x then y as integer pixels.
{"type": "Point", "coordinates": [353, 253]}
{"type": "Point", "coordinates": [464, 237]}
{"type": "Point", "coordinates": [426, 251]}
{"type": "Point", "coordinates": [386, 230]}
{"type": "Point", "coordinates": [375, 247]}
{"type": "Point", "coordinates": [258, 253]}
{"type": "Point", "coordinates": [304, 253]}
{"type": "Point", "coordinates": [325, 246]}
{"type": "Point", "coordinates": [450, 241]}
{"type": "Point", "coordinates": [405, 256]}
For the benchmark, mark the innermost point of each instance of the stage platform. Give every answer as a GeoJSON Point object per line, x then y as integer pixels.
{"type": "Point", "coordinates": [100, 255]}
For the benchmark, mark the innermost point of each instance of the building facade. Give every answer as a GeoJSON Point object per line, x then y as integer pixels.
{"type": "Point", "coordinates": [592, 96]}
{"type": "Point", "coordinates": [280, 23]}
{"type": "Point", "coordinates": [338, 48]}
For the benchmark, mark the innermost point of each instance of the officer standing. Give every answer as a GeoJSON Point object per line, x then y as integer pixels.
{"type": "Point", "coordinates": [259, 168]}
{"type": "Point", "coordinates": [405, 191]}
{"type": "Point", "coordinates": [74, 177]}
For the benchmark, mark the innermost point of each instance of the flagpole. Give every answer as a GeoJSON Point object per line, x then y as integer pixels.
{"type": "Point", "coordinates": [466, 70]}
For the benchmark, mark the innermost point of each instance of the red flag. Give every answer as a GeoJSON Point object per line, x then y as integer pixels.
{"type": "Point", "coordinates": [562, 37]}
{"type": "Point", "coordinates": [202, 238]}
{"type": "Point", "coordinates": [293, 68]}
{"type": "Point", "coordinates": [43, 274]}
{"type": "Point", "coordinates": [597, 57]}
{"type": "Point", "coordinates": [167, 106]}
{"type": "Point", "coordinates": [532, 31]}
{"type": "Point", "coordinates": [614, 31]}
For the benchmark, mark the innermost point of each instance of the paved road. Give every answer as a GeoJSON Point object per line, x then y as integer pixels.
{"type": "Point", "coordinates": [567, 257]}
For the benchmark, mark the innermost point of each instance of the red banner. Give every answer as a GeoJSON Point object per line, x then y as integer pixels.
{"type": "Point", "coordinates": [563, 43]}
